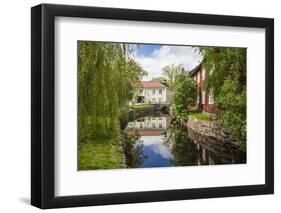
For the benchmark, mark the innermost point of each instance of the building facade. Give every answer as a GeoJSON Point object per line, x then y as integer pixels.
{"type": "Point", "coordinates": [205, 101]}
{"type": "Point", "coordinates": [152, 92]}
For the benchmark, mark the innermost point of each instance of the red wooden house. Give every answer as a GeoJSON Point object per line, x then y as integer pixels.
{"type": "Point", "coordinates": [205, 101]}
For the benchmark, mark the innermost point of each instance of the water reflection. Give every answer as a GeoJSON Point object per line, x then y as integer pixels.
{"type": "Point", "coordinates": [133, 150]}
{"type": "Point", "coordinates": [183, 149]}
{"type": "Point", "coordinates": [154, 141]}
{"type": "Point", "coordinates": [158, 153]}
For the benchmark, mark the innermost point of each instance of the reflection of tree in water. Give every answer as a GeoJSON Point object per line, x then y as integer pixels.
{"type": "Point", "coordinates": [184, 150]}
{"type": "Point", "coordinates": [133, 150]}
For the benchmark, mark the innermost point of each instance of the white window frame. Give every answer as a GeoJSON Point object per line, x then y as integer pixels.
{"type": "Point", "coordinates": [211, 97]}
{"type": "Point", "coordinates": [203, 97]}
{"type": "Point", "coordinates": [203, 74]}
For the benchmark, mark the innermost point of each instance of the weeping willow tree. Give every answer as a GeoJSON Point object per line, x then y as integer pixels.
{"type": "Point", "coordinates": [105, 75]}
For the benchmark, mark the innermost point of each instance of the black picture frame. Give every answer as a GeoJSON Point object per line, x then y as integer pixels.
{"type": "Point", "coordinates": [43, 105]}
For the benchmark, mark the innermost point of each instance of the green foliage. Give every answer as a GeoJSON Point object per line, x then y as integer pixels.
{"type": "Point", "coordinates": [222, 64]}
{"type": "Point", "coordinates": [183, 149]}
{"type": "Point", "coordinates": [185, 93]}
{"type": "Point", "coordinates": [200, 116]}
{"type": "Point", "coordinates": [233, 111]}
{"type": "Point", "coordinates": [159, 78]}
{"type": "Point", "coordinates": [105, 78]}
{"type": "Point", "coordinates": [100, 155]}
{"type": "Point", "coordinates": [170, 73]}
{"type": "Point", "coordinates": [133, 150]}
{"type": "Point", "coordinates": [141, 106]}
{"type": "Point", "coordinates": [226, 79]}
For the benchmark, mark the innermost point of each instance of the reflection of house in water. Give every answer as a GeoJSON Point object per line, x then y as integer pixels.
{"type": "Point", "coordinates": [204, 156]}
{"type": "Point", "coordinates": [149, 126]}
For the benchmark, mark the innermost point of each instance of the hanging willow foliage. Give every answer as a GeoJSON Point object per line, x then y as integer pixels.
{"type": "Point", "coordinates": [105, 78]}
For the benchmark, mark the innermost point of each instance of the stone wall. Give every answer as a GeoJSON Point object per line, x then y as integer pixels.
{"type": "Point", "coordinates": [219, 152]}
{"type": "Point", "coordinates": [210, 129]}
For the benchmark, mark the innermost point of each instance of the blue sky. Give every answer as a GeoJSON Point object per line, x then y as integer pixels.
{"type": "Point", "coordinates": [153, 58]}
{"type": "Point", "coordinates": [147, 49]}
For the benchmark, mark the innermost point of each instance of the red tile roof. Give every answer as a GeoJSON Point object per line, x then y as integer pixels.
{"type": "Point", "coordinates": [152, 84]}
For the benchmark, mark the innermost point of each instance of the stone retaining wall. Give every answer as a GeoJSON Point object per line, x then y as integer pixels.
{"type": "Point", "coordinates": [210, 129]}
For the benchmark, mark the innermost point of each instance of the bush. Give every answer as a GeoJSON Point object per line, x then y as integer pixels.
{"type": "Point", "coordinates": [232, 102]}
{"type": "Point", "coordinates": [185, 93]}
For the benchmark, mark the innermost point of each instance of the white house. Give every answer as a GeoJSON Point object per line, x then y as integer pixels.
{"type": "Point", "coordinates": [152, 92]}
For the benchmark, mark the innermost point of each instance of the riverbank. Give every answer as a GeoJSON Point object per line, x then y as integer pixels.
{"type": "Point", "coordinates": [210, 129]}
{"type": "Point", "coordinates": [212, 136]}
{"type": "Point", "coordinates": [106, 154]}
{"type": "Point", "coordinates": [109, 154]}
{"type": "Point", "coordinates": [153, 141]}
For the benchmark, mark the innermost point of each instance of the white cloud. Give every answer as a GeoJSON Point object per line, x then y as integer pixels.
{"type": "Point", "coordinates": [156, 145]}
{"type": "Point", "coordinates": [188, 57]}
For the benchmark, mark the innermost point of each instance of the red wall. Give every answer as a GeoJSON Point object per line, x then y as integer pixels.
{"type": "Point", "coordinates": [200, 86]}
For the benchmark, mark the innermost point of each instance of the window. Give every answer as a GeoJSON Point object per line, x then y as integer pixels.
{"type": "Point", "coordinates": [203, 74]}
{"type": "Point", "coordinates": [211, 98]}
{"type": "Point", "coordinates": [153, 125]}
{"type": "Point", "coordinates": [160, 125]}
{"type": "Point", "coordinates": [160, 91]}
{"type": "Point", "coordinates": [153, 91]}
{"type": "Point", "coordinates": [203, 97]}
{"type": "Point", "coordinates": [160, 100]}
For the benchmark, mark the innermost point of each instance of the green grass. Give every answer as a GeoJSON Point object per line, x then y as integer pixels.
{"type": "Point", "coordinates": [199, 115]}
{"type": "Point", "coordinates": [193, 110]}
{"type": "Point", "coordinates": [100, 155]}
{"type": "Point", "coordinates": [141, 106]}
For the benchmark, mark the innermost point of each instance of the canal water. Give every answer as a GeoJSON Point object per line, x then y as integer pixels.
{"type": "Point", "coordinates": [156, 141]}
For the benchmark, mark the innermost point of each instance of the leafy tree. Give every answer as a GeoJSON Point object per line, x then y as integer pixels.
{"type": "Point", "coordinates": [233, 111]}
{"type": "Point", "coordinates": [185, 93]}
{"type": "Point", "coordinates": [170, 73]}
{"type": "Point", "coordinates": [222, 64]}
{"type": "Point", "coordinates": [226, 78]}
{"type": "Point", "coordinates": [105, 76]}
{"type": "Point", "coordinates": [159, 78]}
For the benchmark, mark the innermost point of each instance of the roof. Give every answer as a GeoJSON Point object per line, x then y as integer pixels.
{"type": "Point", "coordinates": [152, 84]}
{"type": "Point", "coordinates": [195, 70]}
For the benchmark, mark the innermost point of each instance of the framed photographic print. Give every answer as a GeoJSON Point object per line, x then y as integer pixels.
{"type": "Point", "coordinates": [140, 106]}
